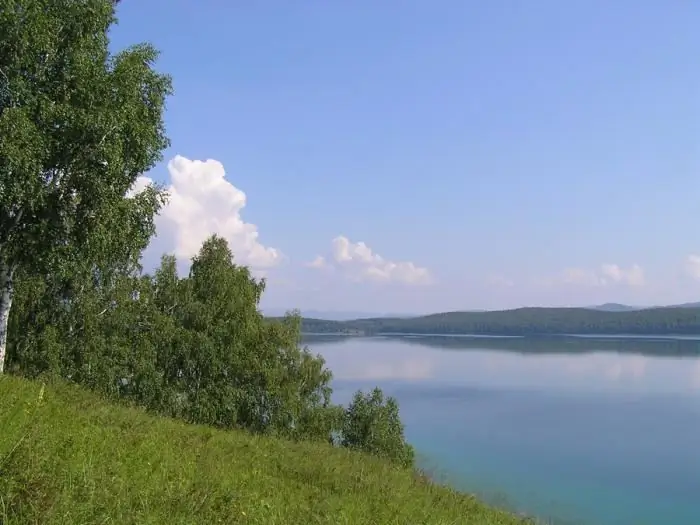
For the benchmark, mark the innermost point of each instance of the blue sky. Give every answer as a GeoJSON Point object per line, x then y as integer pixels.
{"type": "Point", "coordinates": [494, 154]}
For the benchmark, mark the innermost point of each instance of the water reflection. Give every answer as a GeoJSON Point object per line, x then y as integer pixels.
{"type": "Point", "coordinates": [563, 363]}
{"type": "Point", "coordinates": [662, 346]}
{"type": "Point", "coordinates": [574, 430]}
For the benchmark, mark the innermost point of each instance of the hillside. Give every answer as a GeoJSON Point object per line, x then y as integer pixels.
{"type": "Point", "coordinates": [525, 321]}
{"type": "Point", "coordinates": [615, 307]}
{"type": "Point", "coordinates": [67, 457]}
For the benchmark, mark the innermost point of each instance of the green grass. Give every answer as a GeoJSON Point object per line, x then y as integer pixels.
{"type": "Point", "coordinates": [68, 457]}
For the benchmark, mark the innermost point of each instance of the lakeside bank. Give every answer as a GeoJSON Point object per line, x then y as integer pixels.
{"type": "Point", "coordinates": [67, 456]}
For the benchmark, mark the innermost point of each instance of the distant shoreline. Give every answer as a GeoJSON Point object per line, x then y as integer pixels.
{"type": "Point", "coordinates": [577, 322]}
{"type": "Point", "coordinates": [644, 337]}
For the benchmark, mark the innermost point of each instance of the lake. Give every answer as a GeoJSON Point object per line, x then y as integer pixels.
{"type": "Point", "coordinates": [591, 431]}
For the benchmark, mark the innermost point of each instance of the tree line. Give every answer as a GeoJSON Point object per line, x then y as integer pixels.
{"type": "Point", "coordinates": [78, 125]}
{"type": "Point", "coordinates": [524, 321]}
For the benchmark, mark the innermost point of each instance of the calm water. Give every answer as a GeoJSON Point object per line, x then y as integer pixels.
{"type": "Point", "coordinates": [575, 430]}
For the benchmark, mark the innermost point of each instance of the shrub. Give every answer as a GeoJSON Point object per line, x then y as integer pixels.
{"type": "Point", "coordinates": [372, 424]}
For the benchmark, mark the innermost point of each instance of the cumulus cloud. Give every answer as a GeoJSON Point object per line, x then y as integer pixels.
{"type": "Point", "coordinates": [319, 262]}
{"type": "Point", "coordinates": [633, 276]}
{"type": "Point", "coordinates": [202, 203]}
{"type": "Point", "coordinates": [692, 266]}
{"type": "Point", "coordinates": [605, 275]}
{"type": "Point", "coordinates": [358, 262]}
{"type": "Point", "coordinates": [141, 184]}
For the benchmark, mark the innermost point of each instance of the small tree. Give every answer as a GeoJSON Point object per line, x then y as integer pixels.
{"type": "Point", "coordinates": [220, 362]}
{"type": "Point", "coordinates": [252, 373]}
{"type": "Point", "coordinates": [372, 424]}
{"type": "Point", "coordinates": [77, 127]}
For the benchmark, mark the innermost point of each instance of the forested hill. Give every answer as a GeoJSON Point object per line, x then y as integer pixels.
{"type": "Point", "coordinates": [524, 321]}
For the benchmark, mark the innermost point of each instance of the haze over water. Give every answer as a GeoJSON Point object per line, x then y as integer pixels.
{"type": "Point", "coordinates": [576, 430]}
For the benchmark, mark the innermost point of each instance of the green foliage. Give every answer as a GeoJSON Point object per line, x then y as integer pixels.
{"type": "Point", "coordinates": [196, 348]}
{"type": "Point", "coordinates": [82, 125]}
{"type": "Point", "coordinates": [71, 458]}
{"type": "Point", "coordinates": [372, 424]}
{"type": "Point", "coordinates": [523, 321]}
{"type": "Point", "coordinates": [77, 127]}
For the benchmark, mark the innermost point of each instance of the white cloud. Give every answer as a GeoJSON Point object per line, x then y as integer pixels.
{"type": "Point", "coordinates": [141, 184]}
{"type": "Point", "coordinates": [319, 262]}
{"type": "Point", "coordinates": [692, 266]}
{"type": "Point", "coordinates": [605, 275]}
{"type": "Point", "coordinates": [633, 276]}
{"type": "Point", "coordinates": [202, 203]}
{"type": "Point", "coordinates": [359, 262]}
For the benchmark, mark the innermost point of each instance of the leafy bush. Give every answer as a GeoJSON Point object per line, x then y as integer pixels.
{"type": "Point", "coordinates": [372, 424]}
{"type": "Point", "coordinates": [196, 348]}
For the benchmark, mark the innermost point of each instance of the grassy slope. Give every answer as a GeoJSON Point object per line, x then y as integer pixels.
{"type": "Point", "coordinates": [74, 459]}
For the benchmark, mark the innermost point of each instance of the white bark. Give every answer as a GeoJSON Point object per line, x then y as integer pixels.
{"type": "Point", "coordinates": [6, 293]}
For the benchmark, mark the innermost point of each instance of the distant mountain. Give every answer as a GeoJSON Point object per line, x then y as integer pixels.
{"type": "Point", "coordinates": [616, 307]}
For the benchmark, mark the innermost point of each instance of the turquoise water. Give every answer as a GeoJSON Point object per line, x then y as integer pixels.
{"type": "Point", "coordinates": [609, 436]}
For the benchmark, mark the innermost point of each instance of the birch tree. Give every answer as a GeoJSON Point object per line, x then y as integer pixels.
{"type": "Point", "coordinates": [78, 125]}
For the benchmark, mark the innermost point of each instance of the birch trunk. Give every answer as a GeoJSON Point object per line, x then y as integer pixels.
{"type": "Point", "coordinates": [6, 293]}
